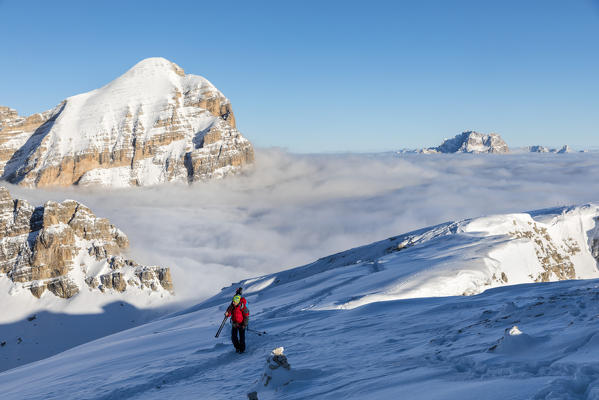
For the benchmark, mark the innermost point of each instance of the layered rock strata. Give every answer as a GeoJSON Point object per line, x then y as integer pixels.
{"type": "Point", "coordinates": [64, 248]}
{"type": "Point", "coordinates": [15, 130]}
{"type": "Point", "coordinates": [154, 124]}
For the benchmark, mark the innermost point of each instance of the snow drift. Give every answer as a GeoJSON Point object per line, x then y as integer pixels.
{"type": "Point", "coordinates": [457, 258]}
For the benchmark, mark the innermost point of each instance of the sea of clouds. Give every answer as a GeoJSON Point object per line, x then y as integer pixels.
{"type": "Point", "coordinates": [291, 209]}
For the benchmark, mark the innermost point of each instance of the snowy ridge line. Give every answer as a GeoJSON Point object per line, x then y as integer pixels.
{"type": "Point", "coordinates": [458, 258]}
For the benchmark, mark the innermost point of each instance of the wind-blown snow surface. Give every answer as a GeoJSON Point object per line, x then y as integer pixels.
{"type": "Point", "coordinates": [429, 348]}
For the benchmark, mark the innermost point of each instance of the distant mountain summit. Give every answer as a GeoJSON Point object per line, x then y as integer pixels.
{"type": "Point", "coordinates": [154, 124]}
{"type": "Point", "coordinates": [539, 149]}
{"type": "Point", "coordinates": [565, 149]}
{"type": "Point", "coordinates": [471, 142]}
{"type": "Point", "coordinates": [479, 143]}
{"type": "Point", "coordinates": [543, 149]}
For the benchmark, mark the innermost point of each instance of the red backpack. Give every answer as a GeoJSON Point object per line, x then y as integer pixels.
{"type": "Point", "coordinates": [240, 312]}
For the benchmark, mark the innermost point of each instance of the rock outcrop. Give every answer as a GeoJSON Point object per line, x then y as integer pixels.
{"type": "Point", "coordinates": [277, 374]}
{"type": "Point", "coordinates": [154, 124]}
{"type": "Point", "coordinates": [15, 130]}
{"type": "Point", "coordinates": [64, 248]}
{"type": "Point", "coordinates": [471, 142]}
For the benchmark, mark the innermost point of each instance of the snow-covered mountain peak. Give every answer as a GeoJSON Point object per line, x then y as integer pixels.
{"type": "Point", "coordinates": [474, 142]}
{"type": "Point", "coordinates": [155, 65]}
{"type": "Point", "coordinates": [471, 142]}
{"type": "Point", "coordinates": [152, 74]}
{"type": "Point", "coordinates": [152, 124]}
{"type": "Point", "coordinates": [143, 93]}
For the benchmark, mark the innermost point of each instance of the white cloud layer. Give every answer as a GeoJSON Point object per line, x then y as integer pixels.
{"type": "Point", "coordinates": [292, 209]}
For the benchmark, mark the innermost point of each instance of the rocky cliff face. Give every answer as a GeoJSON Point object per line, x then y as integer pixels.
{"type": "Point", "coordinates": [15, 130]}
{"type": "Point", "coordinates": [153, 124]}
{"type": "Point", "coordinates": [472, 142]}
{"type": "Point", "coordinates": [64, 248]}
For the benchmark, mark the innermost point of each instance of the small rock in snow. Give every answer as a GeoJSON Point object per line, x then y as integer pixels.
{"type": "Point", "coordinates": [515, 331]}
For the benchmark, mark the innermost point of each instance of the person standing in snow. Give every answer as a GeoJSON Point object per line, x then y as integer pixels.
{"type": "Point", "coordinates": [240, 317]}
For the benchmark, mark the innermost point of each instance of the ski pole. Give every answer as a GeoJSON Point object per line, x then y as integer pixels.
{"type": "Point", "coordinates": [259, 333]}
{"type": "Point", "coordinates": [221, 326]}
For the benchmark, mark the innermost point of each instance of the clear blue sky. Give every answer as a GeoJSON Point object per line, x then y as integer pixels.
{"type": "Point", "coordinates": [316, 76]}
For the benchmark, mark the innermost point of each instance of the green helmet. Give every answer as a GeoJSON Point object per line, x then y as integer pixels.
{"type": "Point", "coordinates": [236, 299]}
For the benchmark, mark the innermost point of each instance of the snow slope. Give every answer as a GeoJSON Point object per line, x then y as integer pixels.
{"type": "Point", "coordinates": [468, 257]}
{"type": "Point", "coordinates": [363, 324]}
{"type": "Point", "coordinates": [62, 262]}
{"type": "Point", "coordinates": [434, 348]}
{"type": "Point", "coordinates": [34, 328]}
{"type": "Point", "coordinates": [146, 90]}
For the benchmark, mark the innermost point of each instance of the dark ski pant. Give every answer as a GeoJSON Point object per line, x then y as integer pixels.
{"type": "Point", "coordinates": [238, 341]}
